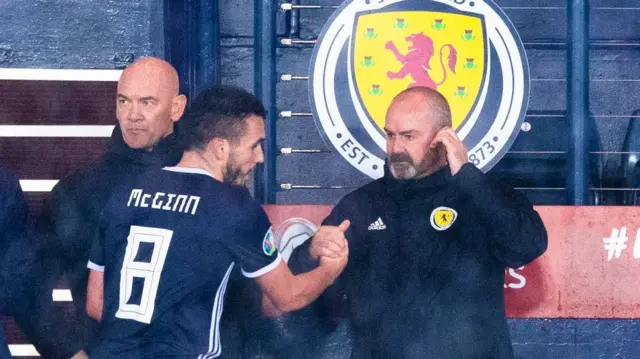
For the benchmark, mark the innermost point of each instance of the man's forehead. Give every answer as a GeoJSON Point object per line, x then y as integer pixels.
{"type": "Point", "coordinates": [255, 122]}
{"type": "Point", "coordinates": [253, 129]}
{"type": "Point", "coordinates": [145, 81]}
{"type": "Point", "coordinates": [140, 88]}
{"type": "Point", "coordinates": [407, 121]}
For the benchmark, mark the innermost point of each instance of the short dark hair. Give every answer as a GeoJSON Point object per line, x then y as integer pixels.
{"type": "Point", "coordinates": [220, 111]}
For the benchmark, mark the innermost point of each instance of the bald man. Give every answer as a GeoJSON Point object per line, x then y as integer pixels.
{"type": "Point", "coordinates": [147, 106]}
{"type": "Point", "coordinates": [148, 103]}
{"type": "Point", "coordinates": [429, 243]}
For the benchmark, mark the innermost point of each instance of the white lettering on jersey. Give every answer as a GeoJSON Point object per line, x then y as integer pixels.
{"type": "Point", "coordinates": [183, 204]}
{"type": "Point", "coordinates": [192, 203]}
{"type": "Point", "coordinates": [157, 204]}
{"type": "Point", "coordinates": [167, 206]}
{"type": "Point", "coordinates": [135, 195]}
{"type": "Point", "coordinates": [144, 203]}
{"type": "Point", "coordinates": [182, 200]}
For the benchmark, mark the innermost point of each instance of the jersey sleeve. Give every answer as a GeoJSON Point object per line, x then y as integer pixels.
{"type": "Point", "coordinates": [97, 256]}
{"type": "Point", "coordinates": [254, 245]}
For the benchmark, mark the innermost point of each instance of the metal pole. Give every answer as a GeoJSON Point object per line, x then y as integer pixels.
{"type": "Point", "coordinates": [578, 100]}
{"type": "Point", "coordinates": [265, 88]}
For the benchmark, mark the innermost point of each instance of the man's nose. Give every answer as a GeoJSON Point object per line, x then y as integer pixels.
{"type": "Point", "coordinates": [397, 145]}
{"type": "Point", "coordinates": [259, 156]}
{"type": "Point", "coordinates": [135, 114]}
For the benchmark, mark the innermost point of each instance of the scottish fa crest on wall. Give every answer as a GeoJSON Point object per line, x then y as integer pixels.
{"type": "Point", "coordinates": [370, 50]}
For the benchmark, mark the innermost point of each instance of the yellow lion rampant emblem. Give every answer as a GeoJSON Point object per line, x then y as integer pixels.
{"type": "Point", "coordinates": [442, 218]}
{"type": "Point", "coordinates": [416, 62]}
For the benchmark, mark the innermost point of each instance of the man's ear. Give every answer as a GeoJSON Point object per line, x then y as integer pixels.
{"type": "Point", "coordinates": [178, 105]}
{"type": "Point", "coordinates": [219, 148]}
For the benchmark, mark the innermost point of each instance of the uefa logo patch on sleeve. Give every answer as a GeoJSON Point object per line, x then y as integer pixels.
{"type": "Point", "coordinates": [370, 51]}
{"type": "Point", "coordinates": [268, 244]}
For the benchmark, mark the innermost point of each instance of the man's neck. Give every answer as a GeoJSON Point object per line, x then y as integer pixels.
{"type": "Point", "coordinates": [153, 147]}
{"type": "Point", "coordinates": [192, 159]}
{"type": "Point", "coordinates": [435, 168]}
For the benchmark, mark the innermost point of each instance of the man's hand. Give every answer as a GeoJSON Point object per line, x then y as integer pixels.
{"type": "Point", "coordinates": [336, 265]}
{"type": "Point", "coordinates": [457, 154]}
{"type": "Point", "coordinates": [329, 241]}
{"type": "Point", "coordinates": [80, 355]}
{"type": "Point", "coordinates": [285, 292]}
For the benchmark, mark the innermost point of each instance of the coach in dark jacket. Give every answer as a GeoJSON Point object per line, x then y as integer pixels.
{"type": "Point", "coordinates": [428, 243]}
{"type": "Point", "coordinates": [148, 105]}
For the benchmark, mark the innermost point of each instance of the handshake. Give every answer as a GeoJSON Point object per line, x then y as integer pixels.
{"type": "Point", "coordinates": [330, 246]}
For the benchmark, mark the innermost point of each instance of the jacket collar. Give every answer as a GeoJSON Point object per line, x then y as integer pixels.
{"type": "Point", "coordinates": [166, 153]}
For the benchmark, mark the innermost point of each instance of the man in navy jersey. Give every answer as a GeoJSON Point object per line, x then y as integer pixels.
{"type": "Point", "coordinates": [167, 243]}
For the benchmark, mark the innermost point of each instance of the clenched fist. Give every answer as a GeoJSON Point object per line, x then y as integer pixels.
{"type": "Point", "coordinates": [329, 241]}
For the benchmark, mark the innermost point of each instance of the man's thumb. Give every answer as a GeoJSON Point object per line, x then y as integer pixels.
{"type": "Point", "coordinates": [344, 225]}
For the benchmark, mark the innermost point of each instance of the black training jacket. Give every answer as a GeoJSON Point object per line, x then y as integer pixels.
{"type": "Point", "coordinates": [426, 266]}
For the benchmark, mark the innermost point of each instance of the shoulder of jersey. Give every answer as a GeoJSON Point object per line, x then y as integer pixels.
{"type": "Point", "coordinates": [230, 197]}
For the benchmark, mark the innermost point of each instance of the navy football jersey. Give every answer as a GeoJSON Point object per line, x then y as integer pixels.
{"type": "Point", "coordinates": [167, 245]}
